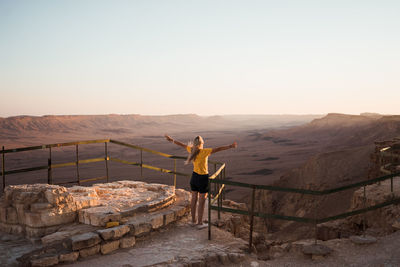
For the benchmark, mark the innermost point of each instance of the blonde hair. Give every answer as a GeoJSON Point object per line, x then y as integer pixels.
{"type": "Point", "coordinates": [195, 149]}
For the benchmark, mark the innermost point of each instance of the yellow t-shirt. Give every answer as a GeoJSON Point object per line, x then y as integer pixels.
{"type": "Point", "coordinates": [200, 164]}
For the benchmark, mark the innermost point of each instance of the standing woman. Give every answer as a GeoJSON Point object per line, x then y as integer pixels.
{"type": "Point", "coordinates": [199, 181]}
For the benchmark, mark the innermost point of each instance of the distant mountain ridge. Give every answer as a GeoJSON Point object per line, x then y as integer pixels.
{"type": "Point", "coordinates": [72, 127]}
{"type": "Point", "coordinates": [344, 130]}
{"type": "Point", "coordinates": [57, 123]}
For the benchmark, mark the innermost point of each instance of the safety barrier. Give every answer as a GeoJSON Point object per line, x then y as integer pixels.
{"type": "Point", "coordinates": [252, 213]}
{"type": "Point", "coordinates": [50, 166]}
{"type": "Point", "coordinates": [217, 180]}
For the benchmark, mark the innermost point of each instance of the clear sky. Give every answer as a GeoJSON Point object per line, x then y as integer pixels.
{"type": "Point", "coordinates": [204, 57]}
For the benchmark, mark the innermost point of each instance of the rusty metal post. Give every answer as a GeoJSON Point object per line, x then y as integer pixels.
{"type": "Point", "coordinates": [252, 217]}
{"type": "Point", "coordinates": [391, 184]}
{"type": "Point", "coordinates": [175, 173]}
{"type": "Point", "coordinates": [316, 206]}
{"type": "Point", "coordinates": [209, 209]}
{"type": "Point", "coordinates": [223, 177]}
{"type": "Point", "coordinates": [49, 173]}
{"type": "Point", "coordinates": [315, 231]}
{"type": "Point", "coordinates": [77, 165]}
{"type": "Point", "coordinates": [391, 172]}
{"type": "Point", "coordinates": [219, 198]}
{"type": "Point", "coordinates": [3, 170]}
{"type": "Point", "coordinates": [364, 206]}
{"type": "Point", "coordinates": [215, 184]}
{"type": "Point", "coordinates": [106, 158]}
{"type": "Point", "coordinates": [141, 164]}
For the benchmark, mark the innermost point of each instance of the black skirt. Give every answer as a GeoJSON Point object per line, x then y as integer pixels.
{"type": "Point", "coordinates": [199, 183]}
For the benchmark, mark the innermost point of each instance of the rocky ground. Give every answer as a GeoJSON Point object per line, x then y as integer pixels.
{"type": "Point", "coordinates": [184, 245]}
{"type": "Point", "coordinates": [180, 244]}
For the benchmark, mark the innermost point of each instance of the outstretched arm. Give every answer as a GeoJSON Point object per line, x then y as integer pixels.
{"type": "Point", "coordinates": [221, 148]}
{"type": "Point", "coordinates": [175, 142]}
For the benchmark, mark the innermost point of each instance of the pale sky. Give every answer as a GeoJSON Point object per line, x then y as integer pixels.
{"type": "Point", "coordinates": [204, 57]}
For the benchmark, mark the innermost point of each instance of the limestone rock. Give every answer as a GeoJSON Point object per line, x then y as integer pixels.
{"type": "Point", "coordinates": [114, 232]}
{"type": "Point", "coordinates": [49, 218]}
{"type": "Point", "coordinates": [169, 216]}
{"type": "Point", "coordinates": [37, 207]}
{"type": "Point", "coordinates": [66, 232]}
{"type": "Point", "coordinates": [316, 249]}
{"type": "Point", "coordinates": [179, 211]}
{"type": "Point", "coordinates": [39, 210]}
{"type": "Point", "coordinates": [11, 215]}
{"type": "Point", "coordinates": [86, 252]}
{"type": "Point", "coordinates": [157, 221]}
{"type": "Point", "coordinates": [69, 257]}
{"type": "Point", "coordinates": [85, 241]}
{"type": "Point", "coordinates": [109, 247]}
{"type": "Point", "coordinates": [396, 224]}
{"type": "Point", "coordinates": [12, 228]}
{"type": "Point", "coordinates": [45, 261]}
{"type": "Point", "coordinates": [33, 232]}
{"type": "Point", "coordinates": [236, 257]}
{"type": "Point", "coordinates": [127, 242]}
{"type": "Point", "coordinates": [99, 216]}
{"type": "Point", "coordinates": [140, 228]}
{"type": "Point", "coordinates": [362, 240]}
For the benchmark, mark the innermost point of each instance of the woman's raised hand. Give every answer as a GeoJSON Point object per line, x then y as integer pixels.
{"type": "Point", "coordinates": [169, 138]}
{"type": "Point", "coordinates": [234, 145]}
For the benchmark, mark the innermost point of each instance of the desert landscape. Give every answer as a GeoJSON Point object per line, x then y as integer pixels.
{"type": "Point", "coordinates": [295, 151]}
{"type": "Point", "coordinates": [256, 160]}
{"type": "Point", "coordinates": [307, 152]}
{"type": "Point", "coordinates": [300, 98]}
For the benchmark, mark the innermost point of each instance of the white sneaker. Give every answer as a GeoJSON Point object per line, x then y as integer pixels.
{"type": "Point", "coordinates": [202, 226]}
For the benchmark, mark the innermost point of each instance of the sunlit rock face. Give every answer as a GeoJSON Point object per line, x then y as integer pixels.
{"type": "Point", "coordinates": [40, 209]}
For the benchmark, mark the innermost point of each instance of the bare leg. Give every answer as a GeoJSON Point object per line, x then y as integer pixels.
{"type": "Point", "coordinates": [202, 199]}
{"type": "Point", "coordinates": [193, 205]}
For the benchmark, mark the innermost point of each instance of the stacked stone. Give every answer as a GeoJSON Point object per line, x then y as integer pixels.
{"type": "Point", "coordinates": [122, 199]}
{"type": "Point", "coordinates": [36, 210]}
{"type": "Point", "coordinates": [106, 240]}
{"type": "Point", "coordinates": [41, 209]}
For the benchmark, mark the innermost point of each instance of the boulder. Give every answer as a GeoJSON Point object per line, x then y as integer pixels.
{"type": "Point", "coordinates": [45, 261]}
{"type": "Point", "coordinates": [114, 232]}
{"type": "Point", "coordinates": [363, 240]}
{"type": "Point", "coordinates": [85, 241]}
{"type": "Point", "coordinates": [68, 257]}
{"type": "Point", "coordinates": [109, 247]}
{"type": "Point", "coordinates": [127, 242]}
{"type": "Point", "coordinates": [86, 252]}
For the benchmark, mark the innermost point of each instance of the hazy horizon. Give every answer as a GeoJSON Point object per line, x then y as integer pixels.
{"type": "Point", "coordinates": [194, 114]}
{"type": "Point", "coordinates": [211, 57]}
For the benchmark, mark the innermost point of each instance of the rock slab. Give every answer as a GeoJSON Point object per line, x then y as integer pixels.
{"type": "Point", "coordinates": [85, 241]}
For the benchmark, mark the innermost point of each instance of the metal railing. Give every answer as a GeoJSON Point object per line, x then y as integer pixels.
{"type": "Point", "coordinates": [50, 166]}
{"type": "Point", "coordinates": [252, 213]}
{"type": "Point", "coordinates": [217, 180]}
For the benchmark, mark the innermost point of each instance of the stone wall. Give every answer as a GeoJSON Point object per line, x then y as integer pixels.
{"type": "Point", "coordinates": [40, 209]}
{"type": "Point", "coordinates": [73, 243]}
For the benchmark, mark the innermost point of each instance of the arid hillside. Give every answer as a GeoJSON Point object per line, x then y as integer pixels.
{"type": "Point", "coordinates": [345, 144]}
